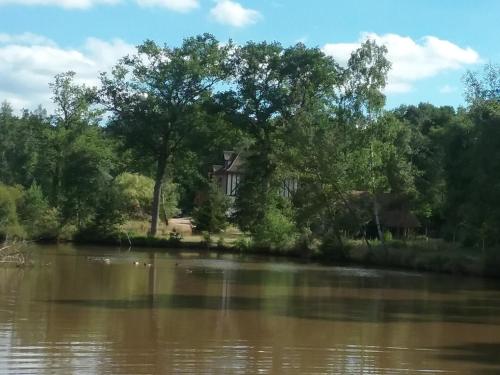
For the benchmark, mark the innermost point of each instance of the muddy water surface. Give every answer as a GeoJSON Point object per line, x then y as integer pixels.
{"type": "Point", "coordinates": [204, 313]}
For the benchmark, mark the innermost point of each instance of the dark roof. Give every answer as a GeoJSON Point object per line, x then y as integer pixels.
{"type": "Point", "coordinates": [232, 163]}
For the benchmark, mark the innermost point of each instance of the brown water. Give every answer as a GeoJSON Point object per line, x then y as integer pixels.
{"type": "Point", "coordinates": [201, 313]}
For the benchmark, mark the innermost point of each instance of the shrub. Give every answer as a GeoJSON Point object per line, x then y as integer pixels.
{"type": "Point", "coordinates": [207, 239]}
{"type": "Point", "coordinates": [39, 219]}
{"type": "Point", "coordinates": [220, 242]}
{"type": "Point", "coordinates": [9, 222]}
{"type": "Point", "coordinates": [110, 213]}
{"type": "Point", "coordinates": [137, 192]}
{"type": "Point", "coordinates": [175, 238]}
{"type": "Point", "coordinates": [332, 249]}
{"type": "Point", "coordinates": [276, 231]}
{"type": "Point", "coordinates": [210, 214]}
{"type": "Point", "coordinates": [243, 243]}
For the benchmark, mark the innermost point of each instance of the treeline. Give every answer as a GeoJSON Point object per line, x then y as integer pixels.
{"type": "Point", "coordinates": [141, 144]}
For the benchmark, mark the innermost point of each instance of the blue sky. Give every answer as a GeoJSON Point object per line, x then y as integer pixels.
{"type": "Point", "coordinates": [431, 42]}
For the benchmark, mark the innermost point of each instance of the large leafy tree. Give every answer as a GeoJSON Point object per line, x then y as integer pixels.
{"type": "Point", "coordinates": [430, 131]}
{"type": "Point", "coordinates": [332, 145]}
{"type": "Point", "coordinates": [80, 158]}
{"type": "Point", "coordinates": [472, 162]}
{"type": "Point", "coordinates": [272, 88]}
{"type": "Point", "coordinates": [22, 145]}
{"type": "Point", "coordinates": [156, 98]}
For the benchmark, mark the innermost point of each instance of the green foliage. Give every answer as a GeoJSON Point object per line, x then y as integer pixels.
{"type": "Point", "coordinates": [40, 220]}
{"type": "Point", "coordinates": [207, 238]}
{"type": "Point", "coordinates": [175, 238]}
{"type": "Point", "coordinates": [9, 222]}
{"type": "Point", "coordinates": [293, 112]}
{"type": "Point", "coordinates": [243, 243]}
{"type": "Point", "coordinates": [211, 214]}
{"type": "Point", "coordinates": [157, 98]}
{"type": "Point", "coordinates": [277, 230]}
{"type": "Point", "coordinates": [169, 200]}
{"type": "Point", "coordinates": [138, 191]}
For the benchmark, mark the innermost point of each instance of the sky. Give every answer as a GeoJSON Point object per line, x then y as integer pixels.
{"type": "Point", "coordinates": [431, 43]}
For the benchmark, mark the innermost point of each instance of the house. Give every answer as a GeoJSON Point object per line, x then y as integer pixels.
{"type": "Point", "coordinates": [228, 176]}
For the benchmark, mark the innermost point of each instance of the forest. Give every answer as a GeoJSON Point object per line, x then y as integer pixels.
{"type": "Point", "coordinates": [139, 147]}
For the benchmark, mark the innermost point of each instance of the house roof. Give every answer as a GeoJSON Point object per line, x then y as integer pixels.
{"type": "Point", "coordinates": [232, 163]}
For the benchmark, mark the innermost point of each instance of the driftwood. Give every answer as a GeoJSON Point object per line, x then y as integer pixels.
{"type": "Point", "coordinates": [14, 253]}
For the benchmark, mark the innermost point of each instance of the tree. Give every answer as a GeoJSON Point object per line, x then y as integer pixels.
{"type": "Point", "coordinates": [9, 220]}
{"type": "Point", "coordinates": [273, 86]}
{"type": "Point", "coordinates": [330, 144]}
{"type": "Point", "coordinates": [39, 220]}
{"type": "Point", "coordinates": [22, 146]}
{"type": "Point", "coordinates": [482, 88]}
{"type": "Point", "coordinates": [472, 161]}
{"type": "Point", "coordinates": [156, 98]}
{"type": "Point", "coordinates": [429, 128]}
{"type": "Point", "coordinates": [79, 156]}
{"type": "Point", "coordinates": [211, 214]}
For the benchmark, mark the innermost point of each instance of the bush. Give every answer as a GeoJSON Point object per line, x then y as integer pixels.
{"type": "Point", "coordinates": [110, 213]}
{"type": "Point", "coordinates": [220, 242]}
{"type": "Point", "coordinates": [207, 239]}
{"type": "Point", "coordinates": [137, 192]}
{"type": "Point", "coordinates": [39, 219]}
{"type": "Point", "coordinates": [9, 222]}
{"type": "Point", "coordinates": [210, 214]}
{"type": "Point", "coordinates": [243, 244]}
{"type": "Point", "coordinates": [276, 231]}
{"type": "Point", "coordinates": [332, 249]}
{"type": "Point", "coordinates": [175, 238]}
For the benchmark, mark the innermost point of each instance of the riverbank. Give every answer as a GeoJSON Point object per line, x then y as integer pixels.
{"type": "Point", "coordinates": [427, 255]}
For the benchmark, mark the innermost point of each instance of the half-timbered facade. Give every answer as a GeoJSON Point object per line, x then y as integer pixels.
{"type": "Point", "coordinates": [228, 176]}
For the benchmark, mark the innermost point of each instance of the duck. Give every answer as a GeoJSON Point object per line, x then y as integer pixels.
{"type": "Point", "coordinates": [135, 263]}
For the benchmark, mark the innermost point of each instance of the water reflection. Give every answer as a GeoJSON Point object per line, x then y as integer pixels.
{"type": "Point", "coordinates": [212, 314]}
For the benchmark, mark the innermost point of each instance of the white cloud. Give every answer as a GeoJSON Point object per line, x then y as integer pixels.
{"type": "Point", "coordinates": [182, 6]}
{"type": "Point", "coordinates": [411, 60]}
{"type": "Point", "coordinates": [231, 13]}
{"type": "Point", "coordinates": [26, 69]}
{"type": "Point", "coordinates": [447, 89]}
{"type": "Point", "coordinates": [25, 38]}
{"type": "Point", "coordinates": [70, 4]}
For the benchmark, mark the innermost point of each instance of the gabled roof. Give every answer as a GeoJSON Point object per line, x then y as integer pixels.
{"type": "Point", "coordinates": [235, 165]}
{"type": "Point", "coordinates": [232, 163]}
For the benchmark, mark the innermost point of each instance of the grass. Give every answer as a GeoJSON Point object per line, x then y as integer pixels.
{"type": "Point", "coordinates": [138, 229]}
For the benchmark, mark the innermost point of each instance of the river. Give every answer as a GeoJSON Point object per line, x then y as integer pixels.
{"type": "Point", "coordinates": [76, 312]}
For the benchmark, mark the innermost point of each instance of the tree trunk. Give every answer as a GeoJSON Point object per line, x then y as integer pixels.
{"type": "Point", "coordinates": [164, 208]}
{"type": "Point", "coordinates": [155, 209]}
{"type": "Point", "coordinates": [377, 220]}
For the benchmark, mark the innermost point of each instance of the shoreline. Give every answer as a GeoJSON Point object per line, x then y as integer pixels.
{"type": "Point", "coordinates": [458, 262]}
